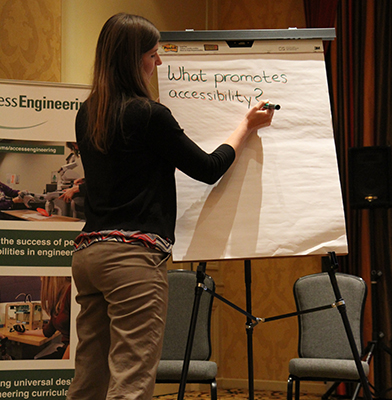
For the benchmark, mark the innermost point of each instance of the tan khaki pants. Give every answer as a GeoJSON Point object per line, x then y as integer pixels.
{"type": "Point", "coordinates": [123, 293]}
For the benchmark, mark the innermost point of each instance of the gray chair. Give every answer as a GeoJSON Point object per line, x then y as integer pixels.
{"type": "Point", "coordinates": [182, 284]}
{"type": "Point", "coordinates": [323, 347]}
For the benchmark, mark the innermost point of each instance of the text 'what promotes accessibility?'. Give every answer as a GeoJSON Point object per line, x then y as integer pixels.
{"type": "Point", "coordinates": [213, 87]}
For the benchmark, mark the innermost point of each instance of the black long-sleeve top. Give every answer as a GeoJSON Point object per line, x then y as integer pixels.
{"type": "Point", "coordinates": [132, 187]}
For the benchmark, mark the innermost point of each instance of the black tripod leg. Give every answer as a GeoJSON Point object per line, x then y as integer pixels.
{"type": "Point", "coordinates": [200, 276]}
{"type": "Point", "coordinates": [377, 336]}
{"type": "Point", "coordinates": [249, 327]}
{"type": "Point", "coordinates": [346, 323]}
{"type": "Point", "coordinates": [375, 276]}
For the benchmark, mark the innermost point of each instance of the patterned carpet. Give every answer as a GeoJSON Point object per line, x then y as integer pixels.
{"type": "Point", "coordinates": [236, 394]}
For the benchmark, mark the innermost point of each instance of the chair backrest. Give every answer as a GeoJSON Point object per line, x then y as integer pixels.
{"type": "Point", "coordinates": [322, 333]}
{"type": "Point", "coordinates": [182, 284]}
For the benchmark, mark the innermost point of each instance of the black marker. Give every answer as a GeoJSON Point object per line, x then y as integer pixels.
{"type": "Point", "coordinates": [270, 106]}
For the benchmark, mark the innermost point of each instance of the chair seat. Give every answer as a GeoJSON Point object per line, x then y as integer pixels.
{"type": "Point", "coordinates": [326, 368]}
{"type": "Point", "coordinates": [198, 370]}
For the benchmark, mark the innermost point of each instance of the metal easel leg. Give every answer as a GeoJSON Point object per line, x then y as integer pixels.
{"type": "Point", "coordinates": [249, 327]}
{"type": "Point", "coordinates": [342, 309]}
{"type": "Point", "coordinates": [200, 276]}
{"type": "Point", "coordinates": [251, 322]}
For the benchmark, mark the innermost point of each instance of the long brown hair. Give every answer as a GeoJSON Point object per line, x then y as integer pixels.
{"type": "Point", "coordinates": [53, 289]}
{"type": "Point", "coordinates": [118, 74]}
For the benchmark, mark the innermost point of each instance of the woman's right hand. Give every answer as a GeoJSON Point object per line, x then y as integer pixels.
{"type": "Point", "coordinates": [256, 118]}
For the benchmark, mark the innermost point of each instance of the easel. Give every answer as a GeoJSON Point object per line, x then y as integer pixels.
{"type": "Point", "coordinates": [253, 321]}
{"type": "Point", "coordinates": [235, 40]}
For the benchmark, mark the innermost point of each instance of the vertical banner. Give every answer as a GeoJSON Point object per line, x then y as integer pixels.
{"type": "Point", "coordinates": [282, 196]}
{"type": "Point", "coordinates": [38, 162]}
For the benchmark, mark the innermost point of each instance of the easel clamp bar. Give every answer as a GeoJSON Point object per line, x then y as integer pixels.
{"type": "Point", "coordinates": [251, 34]}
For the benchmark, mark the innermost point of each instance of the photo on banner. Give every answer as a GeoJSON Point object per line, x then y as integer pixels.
{"type": "Point", "coordinates": [34, 177]}
{"type": "Point", "coordinates": [30, 307]}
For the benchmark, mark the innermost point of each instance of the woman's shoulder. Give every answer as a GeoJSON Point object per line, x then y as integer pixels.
{"type": "Point", "coordinates": [154, 107]}
{"type": "Point", "coordinates": [161, 112]}
{"type": "Point", "coordinates": [148, 113]}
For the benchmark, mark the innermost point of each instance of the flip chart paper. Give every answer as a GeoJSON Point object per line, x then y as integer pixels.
{"type": "Point", "coordinates": [282, 195]}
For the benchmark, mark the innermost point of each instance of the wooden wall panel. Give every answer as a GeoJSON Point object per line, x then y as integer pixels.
{"type": "Point", "coordinates": [256, 14]}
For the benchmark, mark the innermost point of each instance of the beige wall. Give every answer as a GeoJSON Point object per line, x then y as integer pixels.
{"type": "Point", "coordinates": [83, 19]}
{"type": "Point", "coordinates": [54, 40]}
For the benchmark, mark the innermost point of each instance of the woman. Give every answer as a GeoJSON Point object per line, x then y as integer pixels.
{"type": "Point", "coordinates": [130, 147]}
{"type": "Point", "coordinates": [56, 302]}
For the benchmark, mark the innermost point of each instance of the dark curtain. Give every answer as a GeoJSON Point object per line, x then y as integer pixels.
{"type": "Point", "coordinates": [359, 69]}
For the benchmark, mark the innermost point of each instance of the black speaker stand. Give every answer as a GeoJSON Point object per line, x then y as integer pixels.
{"type": "Point", "coordinates": [376, 345]}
